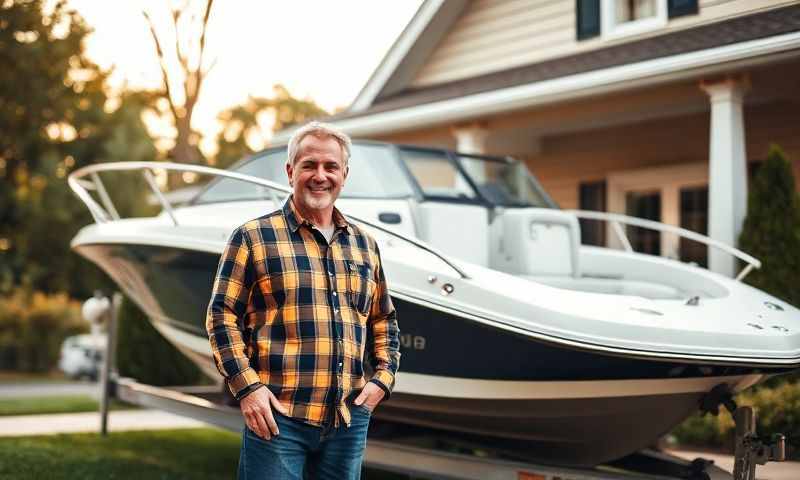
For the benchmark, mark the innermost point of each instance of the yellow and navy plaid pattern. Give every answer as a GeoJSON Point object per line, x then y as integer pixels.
{"type": "Point", "coordinates": [296, 314]}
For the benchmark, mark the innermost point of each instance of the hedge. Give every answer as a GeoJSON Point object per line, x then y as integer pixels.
{"type": "Point", "coordinates": [32, 327]}
{"type": "Point", "coordinates": [777, 411]}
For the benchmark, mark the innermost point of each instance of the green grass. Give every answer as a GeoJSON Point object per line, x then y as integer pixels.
{"type": "Point", "coordinates": [56, 404]}
{"type": "Point", "coordinates": [202, 453]}
{"type": "Point", "coordinates": [164, 454]}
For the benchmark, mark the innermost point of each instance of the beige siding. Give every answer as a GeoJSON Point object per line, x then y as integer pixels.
{"type": "Point", "coordinates": [494, 35]}
{"type": "Point", "coordinates": [663, 128]}
{"type": "Point", "coordinates": [568, 160]}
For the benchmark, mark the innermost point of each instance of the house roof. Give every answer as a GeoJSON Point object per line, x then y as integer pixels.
{"type": "Point", "coordinates": [740, 29]}
{"type": "Point", "coordinates": [699, 49]}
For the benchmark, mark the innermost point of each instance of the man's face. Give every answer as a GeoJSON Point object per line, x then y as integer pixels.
{"type": "Point", "coordinates": [318, 173]}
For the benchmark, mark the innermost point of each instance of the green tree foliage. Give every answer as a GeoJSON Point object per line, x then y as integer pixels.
{"type": "Point", "coordinates": [143, 354]}
{"type": "Point", "coordinates": [777, 411]}
{"type": "Point", "coordinates": [54, 119]}
{"type": "Point", "coordinates": [771, 231]}
{"type": "Point", "coordinates": [242, 122]}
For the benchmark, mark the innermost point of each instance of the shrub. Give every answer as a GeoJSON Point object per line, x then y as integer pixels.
{"type": "Point", "coordinates": [32, 327]}
{"type": "Point", "coordinates": [145, 355]}
{"type": "Point", "coordinates": [771, 230]}
{"type": "Point", "coordinates": [777, 411]}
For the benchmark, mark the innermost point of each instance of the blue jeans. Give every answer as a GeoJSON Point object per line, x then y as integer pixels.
{"type": "Point", "coordinates": [303, 449]}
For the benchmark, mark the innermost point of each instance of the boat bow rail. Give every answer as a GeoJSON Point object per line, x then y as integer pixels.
{"type": "Point", "coordinates": [107, 212]}
{"type": "Point", "coordinates": [616, 220]}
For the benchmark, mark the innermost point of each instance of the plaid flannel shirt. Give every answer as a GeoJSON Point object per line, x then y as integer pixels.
{"type": "Point", "coordinates": [295, 314]}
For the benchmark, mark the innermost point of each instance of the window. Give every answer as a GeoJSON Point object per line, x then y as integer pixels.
{"type": "Point", "coordinates": [630, 17]}
{"type": "Point", "coordinates": [619, 18]}
{"type": "Point", "coordinates": [592, 196]}
{"type": "Point", "coordinates": [646, 205]}
{"type": "Point", "coordinates": [694, 217]}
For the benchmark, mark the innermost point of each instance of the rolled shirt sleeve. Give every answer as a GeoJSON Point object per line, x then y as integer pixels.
{"type": "Point", "coordinates": [383, 334]}
{"type": "Point", "coordinates": [225, 318]}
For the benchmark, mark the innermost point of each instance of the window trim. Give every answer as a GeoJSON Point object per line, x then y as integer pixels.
{"type": "Point", "coordinates": [609, 29]}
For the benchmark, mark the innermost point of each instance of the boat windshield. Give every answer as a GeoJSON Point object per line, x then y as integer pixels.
{"type": "Point", "coordinates": [504, 182]}
{"type": "Point", "coordinates": [374, 173]}
{"type": "Point", "coordinates": [497, 181]}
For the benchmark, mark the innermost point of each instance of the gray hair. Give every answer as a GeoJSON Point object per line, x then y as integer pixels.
{"type": "Point", "coordinates": [319, 130]}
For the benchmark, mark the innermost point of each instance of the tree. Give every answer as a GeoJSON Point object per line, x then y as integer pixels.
{"type": "Point", "coordinates": [183, 49]}
{"type": "Point", "coordinates": [771, 230]}
{"type": "Point", "coordinates": [52, 101]}
{"type": "Point", "coordinates": [244, 127]}
{"type": "Point", "coordinates": [53, 119]}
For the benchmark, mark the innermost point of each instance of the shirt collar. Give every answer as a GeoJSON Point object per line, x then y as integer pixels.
{"type": "Point", "coordinates": [294, 219]}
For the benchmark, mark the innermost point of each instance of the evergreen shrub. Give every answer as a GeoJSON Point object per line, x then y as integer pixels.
{"type": "Point", "coordinates": [771, 230]}
{"type": "Point", "coordinates": [145, 355]}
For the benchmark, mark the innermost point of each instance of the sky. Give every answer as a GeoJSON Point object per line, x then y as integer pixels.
{"type": "Point", "coordinates": [323, 50]}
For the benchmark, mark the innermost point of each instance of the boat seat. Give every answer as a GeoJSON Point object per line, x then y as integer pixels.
{"type": "Point", "coordinates": [538, 242]}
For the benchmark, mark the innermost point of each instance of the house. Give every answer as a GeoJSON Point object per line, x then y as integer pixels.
{"type": "Point", "coordinates": [652, 108]}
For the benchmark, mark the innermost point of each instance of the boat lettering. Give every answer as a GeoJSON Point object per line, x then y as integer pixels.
{"type": "Point", "coordinates": [417, 342]}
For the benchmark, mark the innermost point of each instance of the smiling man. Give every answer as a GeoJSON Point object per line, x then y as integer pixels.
{"type": "Point", "coordinates": [299, 297]}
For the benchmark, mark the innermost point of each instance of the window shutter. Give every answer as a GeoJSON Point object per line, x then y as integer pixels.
{"type": "Point", "coordinates": [678, 8]}
{"type": "Point", "coordinates": [588, 18]}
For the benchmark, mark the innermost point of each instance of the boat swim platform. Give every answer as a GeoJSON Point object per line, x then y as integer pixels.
{"type": "Point", "coordinates": [415, 452]}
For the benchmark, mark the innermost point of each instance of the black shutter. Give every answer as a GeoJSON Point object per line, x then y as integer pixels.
{"type": "Point", "coordinates": [587, 19]}
{"type": "Point", "coordinates": [678, 8]}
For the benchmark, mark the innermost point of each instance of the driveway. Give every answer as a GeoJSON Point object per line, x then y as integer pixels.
{"type": "Point", "coordinates": [48, 389]}
{"type": "Point", "coordinates": [119, 420]}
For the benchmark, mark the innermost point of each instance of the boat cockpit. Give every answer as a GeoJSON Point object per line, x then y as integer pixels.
{"type": "Point", "coordinates": [488, 211]}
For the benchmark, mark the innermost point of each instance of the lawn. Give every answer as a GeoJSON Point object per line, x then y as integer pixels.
{"type": "Point", "coordinates": [202, 453]}
{"type": "Point", "coordinates": [164, 454]}
{"type": "Point", "coordinates": [55, 404]}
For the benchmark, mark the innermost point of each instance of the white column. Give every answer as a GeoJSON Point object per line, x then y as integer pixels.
{"type": "Point", "coordinates": [472, 139]}
{"type": "Point", "coordinates": [727, 189]}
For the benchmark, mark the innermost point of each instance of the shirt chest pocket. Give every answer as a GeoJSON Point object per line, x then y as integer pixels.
{"type": "Point", "coordinates": [360, 286]}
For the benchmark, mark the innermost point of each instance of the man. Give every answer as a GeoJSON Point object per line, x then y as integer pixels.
{"type": "Point", "coordinates": [299, 297]}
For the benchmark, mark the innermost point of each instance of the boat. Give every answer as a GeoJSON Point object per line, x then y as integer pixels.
{"type": "Point", "coordinates": [511, 328]}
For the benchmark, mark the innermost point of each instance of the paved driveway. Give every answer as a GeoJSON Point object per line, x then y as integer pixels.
{"type": "Point", "coordinates": [48, 389]}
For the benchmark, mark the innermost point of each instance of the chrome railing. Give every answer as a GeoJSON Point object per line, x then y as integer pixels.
{"type": "Point", "coordinates": [616, 220]}
{"type": "Point", "coordinates": [107, 212]}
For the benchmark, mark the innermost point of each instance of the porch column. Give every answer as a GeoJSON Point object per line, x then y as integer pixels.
{"type": "Point", "coordinates": [472, 139]}
{"type": "Point", "coordinates": [727, 189]}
